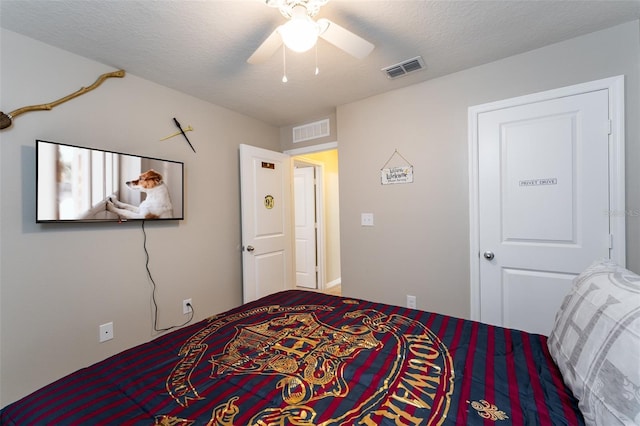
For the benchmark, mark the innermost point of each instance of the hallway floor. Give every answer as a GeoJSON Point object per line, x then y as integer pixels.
{"type": "Point", "coordinates": [335, 290]}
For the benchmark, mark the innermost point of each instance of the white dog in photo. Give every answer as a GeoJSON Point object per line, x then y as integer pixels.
{"type": "Point", "coordinates": [157, 205]}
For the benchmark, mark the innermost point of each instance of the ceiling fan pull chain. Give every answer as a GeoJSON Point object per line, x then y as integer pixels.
{"type": "Point", "coordinates": [317, 69]}
{"type": "Point", "coordinates": [284, 64]}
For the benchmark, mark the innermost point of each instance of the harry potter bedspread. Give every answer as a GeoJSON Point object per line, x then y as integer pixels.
{"type": "Point", "coordinates": [303, 358]}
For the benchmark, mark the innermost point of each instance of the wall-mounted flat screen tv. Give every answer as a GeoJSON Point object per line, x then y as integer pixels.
{"type": "Point", "coordinates": [78, 184]}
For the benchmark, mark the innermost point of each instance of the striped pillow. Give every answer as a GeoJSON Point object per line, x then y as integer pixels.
{"type": "Point", "coordinates": [596, 343]}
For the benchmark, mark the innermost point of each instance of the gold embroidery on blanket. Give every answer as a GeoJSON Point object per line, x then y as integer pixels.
{"type": "Point", "coordinates": [178, 384]}
{"type": "Point", "coordinates": [427, 381]}
{"type": "Point", "coordinates": [171, 421]}
{"type": "Point", "coordinates": [308, 359]}
{"type": "Point", "coordinates": [291, 415]}
{"type": "Point", "coordinates": [224, 414]}
{"type": "Point", "coordinates": [310, 355]}
{"type": "Point", "coordinates": [488, 411]}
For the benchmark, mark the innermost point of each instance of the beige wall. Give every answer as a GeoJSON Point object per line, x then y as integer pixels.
{"type": "Point", "coordinates": [420, 242]}
{"type": "Point", "coordinates": [58, 283]}
{"type": "Point", "coordinates": [329, 160]}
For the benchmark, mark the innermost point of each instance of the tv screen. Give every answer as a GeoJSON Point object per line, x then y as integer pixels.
{"type": "Point", "coordinates": [77, 184]}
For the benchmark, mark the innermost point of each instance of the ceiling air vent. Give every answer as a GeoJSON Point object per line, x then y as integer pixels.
{"type": "Point", "coordinates": [317, 129]}
{"type": "Point", "coordinates": [404, 68]}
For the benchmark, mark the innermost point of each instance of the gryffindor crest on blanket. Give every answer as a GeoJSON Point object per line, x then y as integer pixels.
{"type": "Point", "coordinates": [317, 369]}
{"type": "Point", "coordinates": [309, 355]}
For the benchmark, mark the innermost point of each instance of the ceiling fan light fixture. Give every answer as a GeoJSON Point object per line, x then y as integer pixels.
{"type": "Point", "coordinates": [287, 6]}
{"type": "Point", "coordinates": [301, 32]}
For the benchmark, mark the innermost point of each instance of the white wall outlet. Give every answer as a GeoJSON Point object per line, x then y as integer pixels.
{"type": "Point", "coordinates": [105, 332]}
{"type": "Point", "coordinates": [366, 219]}
{"type": "Point", "coordinates": [411, 301]}
{"type": "Point", "coordinates": [186, 306]}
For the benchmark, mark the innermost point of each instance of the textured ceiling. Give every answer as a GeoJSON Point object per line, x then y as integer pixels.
{"type": "Point", "coordinates": [201, 47]}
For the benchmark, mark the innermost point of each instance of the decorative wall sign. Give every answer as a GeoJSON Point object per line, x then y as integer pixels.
{"type": "Point", "coordinates": [538, 182]}
{"type": "Point", "coordinates": [396, 174]}
{"type": "Point", "coordinates": [269, 202]}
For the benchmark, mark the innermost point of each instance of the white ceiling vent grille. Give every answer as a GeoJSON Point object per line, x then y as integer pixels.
{"type": "Point", "coordinates": [404, 68]}
{"type": "Point", "coordinates": [317, 129]}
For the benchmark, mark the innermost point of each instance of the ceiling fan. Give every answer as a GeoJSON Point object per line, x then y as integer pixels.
{"type": "Point", "coordinates": [300, 33]}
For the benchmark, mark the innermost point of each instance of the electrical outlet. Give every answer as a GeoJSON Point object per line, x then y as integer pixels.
{"type": "Point", "coordinates": [186, 306]}
{"type": "Point", "coordinates": [366, 219]}
{"type": "Point", "coordinates": [105, 332]}
{"type": "Point", "coordinates": [411, 301]}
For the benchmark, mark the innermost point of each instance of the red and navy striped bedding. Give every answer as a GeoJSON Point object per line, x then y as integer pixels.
{"type": "Point", "coordinates": [300, 358]}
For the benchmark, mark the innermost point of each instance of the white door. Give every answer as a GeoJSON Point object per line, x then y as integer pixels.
{"type": "Point", "coordinates": [305, 221]}
{"type": "Point", "coordinates": [543, 203]}
{"type": "Point", "coordinates": [267, 254]}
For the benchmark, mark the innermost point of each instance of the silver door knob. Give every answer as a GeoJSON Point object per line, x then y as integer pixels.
{"type": "Point", "coordinates": [488, 255]}
{"type": "Point", "coordinates": [250, 249]}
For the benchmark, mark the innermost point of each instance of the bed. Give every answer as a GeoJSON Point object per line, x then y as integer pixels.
{"type": "Point", "coordinates": [306, 358]}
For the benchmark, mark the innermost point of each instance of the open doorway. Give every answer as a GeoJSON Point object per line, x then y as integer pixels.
{"type": "Point", "coordinates": [317, 221]}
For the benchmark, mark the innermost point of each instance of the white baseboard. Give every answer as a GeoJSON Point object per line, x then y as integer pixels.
{"type": "Point", "coordinates": [337, 281]}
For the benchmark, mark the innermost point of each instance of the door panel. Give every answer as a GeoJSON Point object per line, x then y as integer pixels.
{"type": "Point", "coordinates": [269, 221]}
{"type": "Point", "coordinates": [526, 309]}
{"type": "Point", "coordinates": [543, 197]}
{"type": "Point", "coordinates": [271, 272]}
{"type": "Point", "coordinates": [539, 203]}
{"type": "Point", "coordinates": [267, 256]}
{"type": "Point", "coordinates": [305, 221]}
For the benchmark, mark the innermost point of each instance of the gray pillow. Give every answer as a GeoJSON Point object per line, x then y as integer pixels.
{"type": "Point", "coordinates": [596, 343]}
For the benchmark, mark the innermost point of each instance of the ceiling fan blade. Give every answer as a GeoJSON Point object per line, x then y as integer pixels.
{"type": "Point", "coordinates": [266, 49]}
{"type": "Point", "coordinates": [344, 39]}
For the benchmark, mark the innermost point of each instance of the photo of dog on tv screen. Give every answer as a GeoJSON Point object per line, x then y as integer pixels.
{"type": "Point", "coordinates": [82, 184]}
{"type": "Point", "coordinates": [156, 205]}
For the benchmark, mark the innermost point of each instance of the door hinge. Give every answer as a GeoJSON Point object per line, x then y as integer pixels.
{"type": "Point", "coordinates": [610, 241]}
{"type": "Point", "coordinates": [609, 127]}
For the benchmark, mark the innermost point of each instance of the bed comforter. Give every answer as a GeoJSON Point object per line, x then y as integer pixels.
{"type": "Point", "coordinates": [305, 358]}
